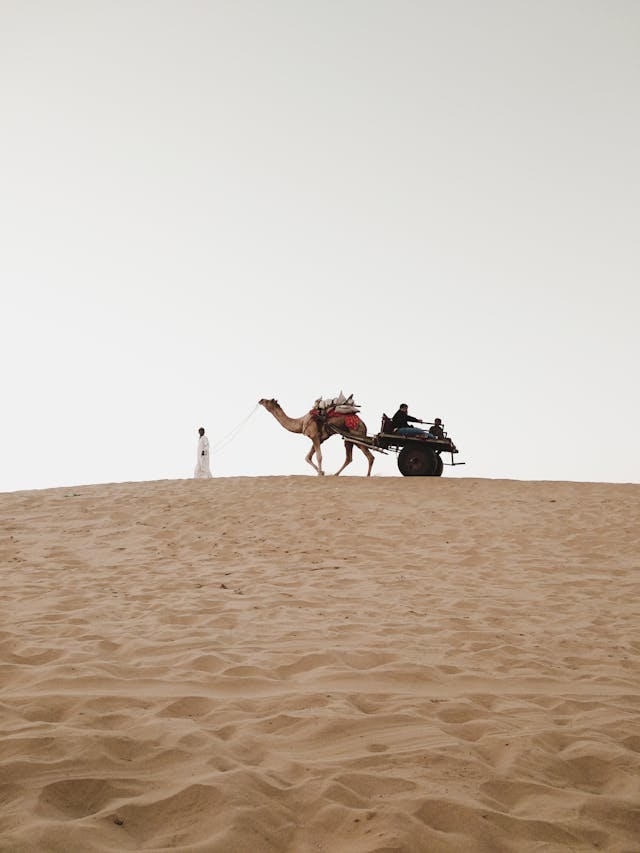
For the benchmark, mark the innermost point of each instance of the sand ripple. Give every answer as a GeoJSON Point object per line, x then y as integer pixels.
{"type": "Point", "coordinates": [295, 664]}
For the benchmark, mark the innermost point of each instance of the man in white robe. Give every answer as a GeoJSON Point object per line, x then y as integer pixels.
{"type": "Point", "coordinates": [203, 471]}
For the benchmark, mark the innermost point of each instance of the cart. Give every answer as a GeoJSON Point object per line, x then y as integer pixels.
{"type": "Point", "coordinates": [418, 456]}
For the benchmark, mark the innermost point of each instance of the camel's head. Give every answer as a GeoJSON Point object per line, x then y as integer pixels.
{"type": "Point", "coordinates": [269, 405]}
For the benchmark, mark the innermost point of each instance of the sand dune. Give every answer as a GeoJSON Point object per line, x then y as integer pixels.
{"type": "Point", "coordinates": [306, 664]}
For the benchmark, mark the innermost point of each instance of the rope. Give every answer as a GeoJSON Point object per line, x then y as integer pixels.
{"type": "Point", "coordinates": [230, 436]}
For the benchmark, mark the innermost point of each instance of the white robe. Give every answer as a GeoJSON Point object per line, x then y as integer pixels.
{"type": "Point", "coordinates": [203, 470]}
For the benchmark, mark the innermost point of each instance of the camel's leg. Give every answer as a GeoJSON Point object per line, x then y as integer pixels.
{"type": "Point", "coordinates": [370, 458]}
{"type": "Point", "coordinates": [348, 446]}
{"type": "Point", "coordinates": [315, 448]}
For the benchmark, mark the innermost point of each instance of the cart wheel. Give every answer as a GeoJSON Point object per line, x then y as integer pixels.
{"type": "Point", "coordinates": [417, 462]}
{"type": "Point", "coordinates": [439, 466]}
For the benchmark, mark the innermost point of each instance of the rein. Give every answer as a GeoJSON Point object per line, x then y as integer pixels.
{"type": "Point", "coordinates": [230, 436]}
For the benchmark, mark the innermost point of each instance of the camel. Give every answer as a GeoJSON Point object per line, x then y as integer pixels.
{"type": "Point", "coordinates": [318, 431]}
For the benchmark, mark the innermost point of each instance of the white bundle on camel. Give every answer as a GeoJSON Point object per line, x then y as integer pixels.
{"type": "Point", "coordinates": [340, 404]}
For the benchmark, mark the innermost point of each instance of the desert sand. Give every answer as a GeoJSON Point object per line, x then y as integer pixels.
{"type": "Point", "coordinates": [308, 664]}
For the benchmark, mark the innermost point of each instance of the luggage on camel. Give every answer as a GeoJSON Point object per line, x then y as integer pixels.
{"type": "Point", "coordinates": [340, 405]}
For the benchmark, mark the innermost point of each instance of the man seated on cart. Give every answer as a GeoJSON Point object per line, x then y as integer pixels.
{"type": "Point", "coordinates": [436, 429]}
{"type": "Point", "coordinates": [400, 422]}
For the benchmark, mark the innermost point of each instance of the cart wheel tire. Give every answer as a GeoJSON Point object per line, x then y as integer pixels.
{"type": "Point", "coordinates": [417, 462]}
{"type": "Point", "coordinates": [439, 466]}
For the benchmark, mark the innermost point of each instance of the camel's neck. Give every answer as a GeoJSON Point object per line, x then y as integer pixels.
{"type": "Point", "coordinates": [292, 424]}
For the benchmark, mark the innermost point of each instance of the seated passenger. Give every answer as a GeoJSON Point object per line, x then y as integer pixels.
{"type": "Point", "coordinates": [401, 420]}
{"type": "Point", "coordinates": [436, 429]}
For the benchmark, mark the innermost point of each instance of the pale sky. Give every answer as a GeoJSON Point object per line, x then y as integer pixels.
{"type": "Point", "coordinates": [205, 203]}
